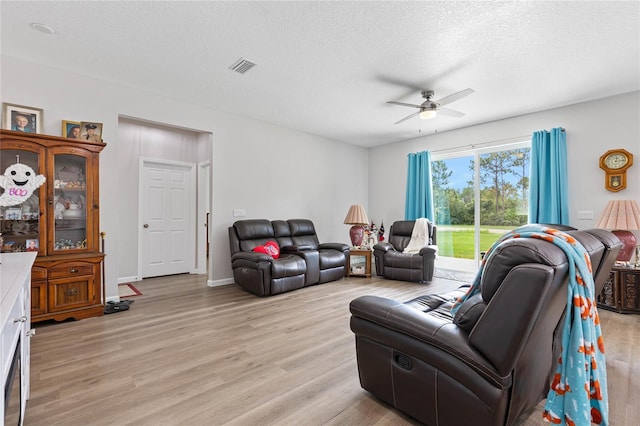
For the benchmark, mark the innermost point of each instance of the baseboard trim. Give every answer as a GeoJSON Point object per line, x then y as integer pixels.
{"type": "Point", "coordinates": [218, 283]}
{"type": "Point", "coordinates": [126, 280]}
{"type": "Point", "coordinates": [113, 299]}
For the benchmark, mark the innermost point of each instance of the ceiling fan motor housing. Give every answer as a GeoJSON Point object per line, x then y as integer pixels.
{"type": "Point", "coordinates": [427, 94]}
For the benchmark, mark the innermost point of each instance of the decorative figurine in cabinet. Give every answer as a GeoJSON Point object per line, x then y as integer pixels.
{"type": "Point", "coordinates": [60, 221]}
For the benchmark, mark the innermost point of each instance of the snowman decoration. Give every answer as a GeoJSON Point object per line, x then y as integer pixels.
{"type": "Point", "coordinates": [19, 181]}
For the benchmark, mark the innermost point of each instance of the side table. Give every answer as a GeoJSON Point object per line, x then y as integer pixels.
{"type": "Point", "coordinates": [621, 291]}
{"type": "Point", "coordinates": [359, 263]}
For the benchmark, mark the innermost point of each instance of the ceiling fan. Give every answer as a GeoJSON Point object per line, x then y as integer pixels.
{"type": "Point", "coordinates": [430, 108]}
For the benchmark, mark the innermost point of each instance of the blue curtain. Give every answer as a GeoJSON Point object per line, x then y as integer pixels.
{"type": "Point", "coordinates": [548, 187]}
{"type": "Point", "coordinates": [419, 201]}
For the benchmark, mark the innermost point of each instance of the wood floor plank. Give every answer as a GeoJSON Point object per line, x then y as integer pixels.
{"type": "Point", "coordinates": [187, 354]}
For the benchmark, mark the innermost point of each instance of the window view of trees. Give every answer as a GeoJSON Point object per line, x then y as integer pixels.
{"type": "Point", "coordinates": [503, 188]}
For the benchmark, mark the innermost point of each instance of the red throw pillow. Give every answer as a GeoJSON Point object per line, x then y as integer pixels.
{"type": "Point", "coordinates": [270, 247]}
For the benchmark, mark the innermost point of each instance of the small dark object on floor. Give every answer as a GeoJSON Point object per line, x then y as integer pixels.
{"type": "Point", "coordinates": [113, 307]}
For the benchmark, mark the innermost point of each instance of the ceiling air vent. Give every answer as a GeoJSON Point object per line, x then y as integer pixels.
{"type": "Point", "coordinates": [242, 66]}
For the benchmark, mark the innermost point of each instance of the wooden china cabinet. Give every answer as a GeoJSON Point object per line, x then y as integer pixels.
{"type": "Point", "coordinates": [60, 221]}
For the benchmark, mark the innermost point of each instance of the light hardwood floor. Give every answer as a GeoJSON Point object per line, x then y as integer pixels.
{"type": "Point", "coordinates": [187, 354]}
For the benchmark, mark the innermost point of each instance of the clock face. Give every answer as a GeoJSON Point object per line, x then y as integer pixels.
{"type": "Point", "coordinates": [616, 161]}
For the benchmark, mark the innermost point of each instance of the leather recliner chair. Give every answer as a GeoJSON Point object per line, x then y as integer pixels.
{"type": "Point", "coordinates": [494, 359]}
{"type": "Point", "coordinates": [393, 264]}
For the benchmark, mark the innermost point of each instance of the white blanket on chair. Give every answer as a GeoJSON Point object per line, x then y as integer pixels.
{"type": "Point", "coordinates": [419, 236]}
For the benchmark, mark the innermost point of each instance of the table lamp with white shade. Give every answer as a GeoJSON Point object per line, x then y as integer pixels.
{"type": "Point", "coordinates": [357, 217]}
{"type": "Point", "coordinates": [622, 217]}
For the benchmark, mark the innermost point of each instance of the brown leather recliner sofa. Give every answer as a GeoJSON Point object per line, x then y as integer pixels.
{"type": "Point", "coordinates": [493, 360]}
{"type": "Point", "coordinates": [303, 260]}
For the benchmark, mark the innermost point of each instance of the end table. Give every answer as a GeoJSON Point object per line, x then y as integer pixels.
{"type": "Point", "coordinates": [621, 291]}
{"type": "Point", "coordinates": [359, 263]}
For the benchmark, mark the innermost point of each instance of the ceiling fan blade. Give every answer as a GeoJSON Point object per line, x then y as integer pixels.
{"type": "Point", "coordinates": [404, 104]}
{"type": "Point", "coordinates": [454, 97]}
{"type": "Point", "coordinates": [407, 117]}
{"type": "Point", "coordinates": [450, 112]}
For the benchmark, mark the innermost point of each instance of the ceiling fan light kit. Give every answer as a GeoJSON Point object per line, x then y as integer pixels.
{"type": "Point", "coordinates": [429, 108]}
{"type": "Point", "coordinates": [428, 114]}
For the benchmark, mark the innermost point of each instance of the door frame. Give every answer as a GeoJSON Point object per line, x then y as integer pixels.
{"type": "Point", "coordinates": [203, 203]}
{"type": "Point", "coordinates": [475, 151]}
{"type": "Point", "coordinates": [146, 161]}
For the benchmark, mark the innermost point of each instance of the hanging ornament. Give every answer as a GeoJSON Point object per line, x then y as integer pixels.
{"type": "Point", "coordinates": [19, 181]}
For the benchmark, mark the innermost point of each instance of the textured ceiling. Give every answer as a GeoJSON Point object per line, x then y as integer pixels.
{"type": "Point", "coordinates": [328, 68]}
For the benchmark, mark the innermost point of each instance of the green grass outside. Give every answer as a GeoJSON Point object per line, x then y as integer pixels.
{"type": "Point", "coordinates": [458, 240]}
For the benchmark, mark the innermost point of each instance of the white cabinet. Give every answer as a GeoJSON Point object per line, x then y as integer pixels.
{"type": "Point", "coordinates": [15, 332]}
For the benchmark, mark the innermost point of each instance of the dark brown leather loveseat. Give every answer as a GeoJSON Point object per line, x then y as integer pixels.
{"type": "Point", "coordinates": [493, 360]}
{"type": "Point", "coordinates": [303, 261]}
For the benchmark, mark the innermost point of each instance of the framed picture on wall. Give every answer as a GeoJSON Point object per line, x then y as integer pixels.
{"type": "Point", "coordinates": [70, 129]}
{"type": "Point", "coordinates": [21, 118]}
{"type": "Point", "coordinates": [91, 131]}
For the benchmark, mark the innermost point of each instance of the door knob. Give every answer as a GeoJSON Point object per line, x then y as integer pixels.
{"type": "Point", "coordinates": [146, 225]}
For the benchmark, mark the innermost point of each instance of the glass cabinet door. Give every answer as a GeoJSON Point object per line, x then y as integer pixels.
{"type": "Point", "coordinates": [69, 202]}
{"type": "Point", "coordinates": [20, 227]}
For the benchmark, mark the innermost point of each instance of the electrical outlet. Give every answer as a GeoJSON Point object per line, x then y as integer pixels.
{"type": "Point", "coordinates": [239, 213]}
{"type": "Point", "coordinates": [585, 214]}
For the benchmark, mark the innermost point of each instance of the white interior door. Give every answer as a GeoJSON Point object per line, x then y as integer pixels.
{"type": "Point", "coordinates": [167, 213]}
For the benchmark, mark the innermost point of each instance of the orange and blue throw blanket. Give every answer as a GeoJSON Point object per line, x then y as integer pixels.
{"type": "Point", "coordinates": [578, 392]}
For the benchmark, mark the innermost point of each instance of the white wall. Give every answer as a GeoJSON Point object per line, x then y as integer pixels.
{"type": "Point", "coordinates": [269, 171]}
{"type": "Point", "coordinates": [592, 128]}
{"type": "Point", "coordinates": [142, 139]}
{"type": "Point", "coordinates": [277, 173]}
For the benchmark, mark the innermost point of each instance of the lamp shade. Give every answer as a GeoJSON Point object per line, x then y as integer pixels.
{"type": "Point", "coordinates": [622, 216]}
{"type": "Point", "coordinates": [356, 216]}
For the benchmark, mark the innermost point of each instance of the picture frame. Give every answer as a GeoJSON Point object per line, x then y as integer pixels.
{"type": "Point", "coordinates": [71, 129]}
{"type": "Point", "coordinates": [22, 118]}
{"type": "Point", "coordinates": [90, 131]}
{"type": "Point", "coordinates": [32, 245]}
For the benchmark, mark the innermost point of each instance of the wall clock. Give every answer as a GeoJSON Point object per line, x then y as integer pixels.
{"type": "Point", "coordinates": [615, 163]}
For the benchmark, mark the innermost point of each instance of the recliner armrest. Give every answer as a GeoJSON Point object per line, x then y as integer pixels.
{"type": "Point", "coordinates": [335, 246]}
{"type": "Point", "coordinates": [383, 247]}
{"type": "Point", "coordinates": [429, 250]}
{"type": "Point", "coordinates": [252, 256]}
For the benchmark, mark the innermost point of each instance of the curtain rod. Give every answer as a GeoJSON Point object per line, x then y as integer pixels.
{"type": "Point", "coordinates": [509, 141]}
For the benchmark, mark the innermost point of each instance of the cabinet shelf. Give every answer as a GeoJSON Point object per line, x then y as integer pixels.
{"type": "Point", "coordinates": [70, 188]}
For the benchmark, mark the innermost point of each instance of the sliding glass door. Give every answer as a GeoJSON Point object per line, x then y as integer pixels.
{"type": "Point", "coordinates": [478, 196]}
